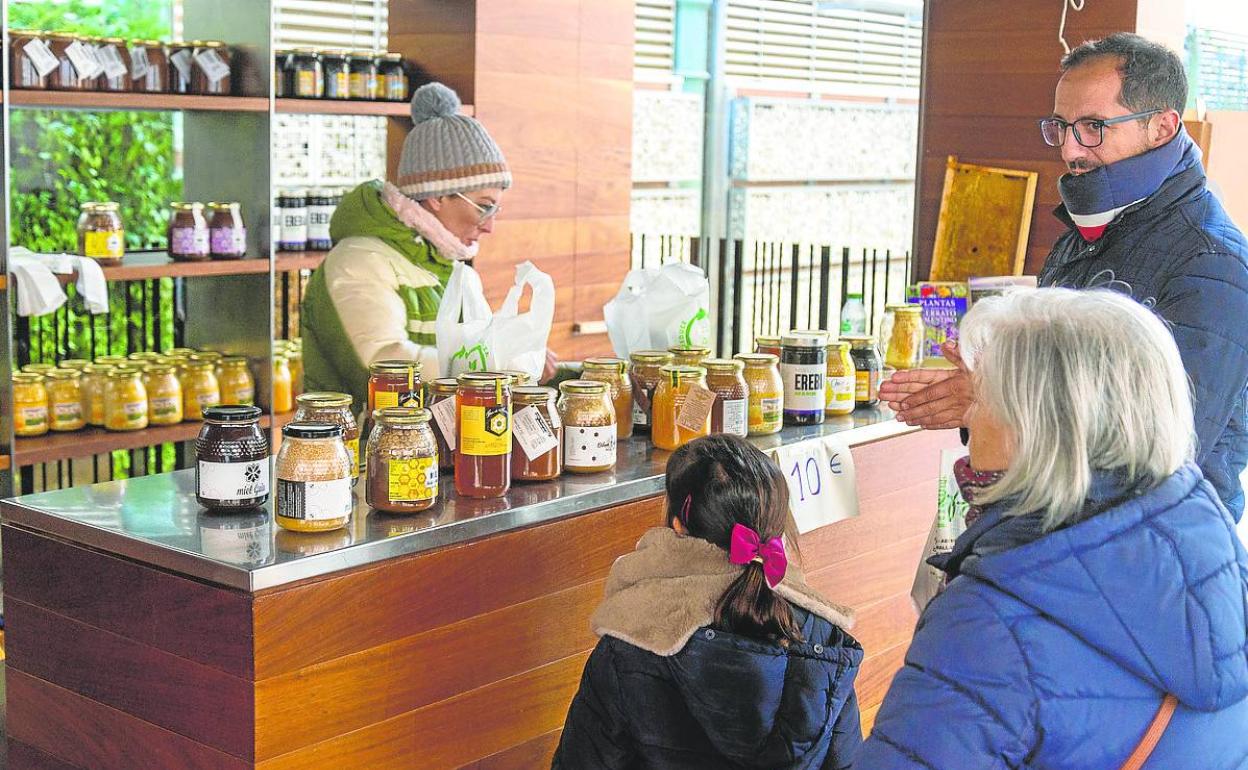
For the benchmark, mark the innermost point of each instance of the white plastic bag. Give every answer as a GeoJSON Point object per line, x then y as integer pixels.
{"type": "Point", "coordinates": [471, 338]}
{"type": "Point", "coordinates": [657, 308]}
{"type": "Point", "coordinates": [949, 524]}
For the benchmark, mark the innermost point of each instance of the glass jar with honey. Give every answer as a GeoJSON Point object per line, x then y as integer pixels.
{"type": "Point", "coordinates": [672, 427]}
{"type": "Point", "coordinates": [542, 466]}
{"type": "Point", "coordinates": [65, 400]}
{"type": "Point", "coordinates": [614, 372]}
{"type": "Point", "coordinates": [483, 434]}
{"type": "Point", "coordinates": [164, 395]}
{"type": "Point", "coordinates": [731, 412]}
{"type": "Point", "coordinates": [30, 404]}
{"type": "Point", "coordinates": [645, 376]}
{"type": "Point", "coordinates": [238, 387]}
{"type": "Point", "coordinates": [762, 376]}
{"type": "Point", "coordinates": [440, 390]}
{"type": "Point", "coordinates": [200, 388]}
{"type": "Point", "coordinates": [589, 434]}
{"type": "Point", "coordinates": [125, 400]}
{"type": "Point", "coordinates": [691, 355]}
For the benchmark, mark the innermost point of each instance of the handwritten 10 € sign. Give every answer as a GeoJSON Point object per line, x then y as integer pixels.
{"type": "Point", "coordinates": [822, 485]}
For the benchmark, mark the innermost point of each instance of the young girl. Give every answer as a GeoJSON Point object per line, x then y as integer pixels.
{"type": "Point", "coordinates": [713, 653]}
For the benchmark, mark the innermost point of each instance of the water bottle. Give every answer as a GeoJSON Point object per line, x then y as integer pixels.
{"type": "Point", "coordinates": [853, 315]}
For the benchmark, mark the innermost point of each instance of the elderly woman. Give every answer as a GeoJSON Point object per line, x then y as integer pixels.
{"type": "Point", "coordinates": [1099, 572]}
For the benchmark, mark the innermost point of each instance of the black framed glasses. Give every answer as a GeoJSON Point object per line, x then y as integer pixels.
{"type": "Point", "coordinates": [1089, 132]}
{"type": "Point", "coordinates": [484, 212]}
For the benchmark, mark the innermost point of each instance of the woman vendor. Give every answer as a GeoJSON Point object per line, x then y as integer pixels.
{"type": "Point", "coordinates": [376, 295]}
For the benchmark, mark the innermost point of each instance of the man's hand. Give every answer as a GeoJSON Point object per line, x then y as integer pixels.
{"type": "Point", "coordinates": [931, 398]}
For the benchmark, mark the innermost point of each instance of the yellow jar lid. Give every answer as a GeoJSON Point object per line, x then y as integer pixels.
{"type": "Point", "coordinates": [27, 378]}
{"type": "Point", "coordinates": [528, 395]}
{"type": "Point", "coordinates": [678, 373]}
{"type": "Point", "coordinates": [39, 368]}
{"type": "Point", "coordinates": [444, 386]}
{"type": "Point", "coordinates": [696, 350]}
{"type": "Point", "coordinates": [517, 377]}
{"type": "Point", "coordinates": [402, 415]}
{"type": "Point", "coordinates": [606, 364]}
{"type": "Point", "coordinates": [74, 363]}
{"type": "Point", "coordinates": [482, 379]}
{"type": "Point", "coordinates": [651, 357]}
{"type": "Point", "coordinates": [323, 400]}
{"type": "Point", "coordinates": [396, 365]}
{"type": "Point", "coordinates": [723, 365]}
{"type": "Point", "coordinates": [63, 374]}
{"type": "Point", "coordinates": [757, 359]}
{"type": "Point", "coordinates": [158, 369]}
{"type": "Point", "coordinates": [234, 361]}
{"type": "Point", "coordinates": [582, 387]}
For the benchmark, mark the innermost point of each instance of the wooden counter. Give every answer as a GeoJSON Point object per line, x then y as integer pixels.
{"type": "Point", "coordinates": [410, 647]}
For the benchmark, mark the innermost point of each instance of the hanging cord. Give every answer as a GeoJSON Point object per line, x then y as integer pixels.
{"type": "Point", "coordinates": [1061, 30]}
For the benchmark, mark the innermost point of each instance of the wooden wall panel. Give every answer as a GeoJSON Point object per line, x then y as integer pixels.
{"type": "Point", "coordinates": [193, 620]}
{"type": "Point", "coordinates": [81, 732]}
{"type": "Point", "coordinates": [22, 756]}
{"type": "Point", "coordinates": [534, 754]}
{"type": "Point", "coordinates": [988, 77]}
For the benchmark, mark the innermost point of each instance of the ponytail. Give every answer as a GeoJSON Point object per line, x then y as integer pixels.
{"type": "Point", "coordinates": [715, 483]}
{"type": "Point", "coordinates": [750, 608]}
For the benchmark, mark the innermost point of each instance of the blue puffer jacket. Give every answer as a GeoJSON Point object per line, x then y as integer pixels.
{"type": "Point", "coordinates": [1179, 253]}
{"type": "Point", "coordinates": [1054, 650]}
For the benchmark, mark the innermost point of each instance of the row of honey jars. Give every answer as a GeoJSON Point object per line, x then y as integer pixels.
{"type": "Point", "coordinates": [62, 61]}
{"type": "Point", "coordinates": [854, 365]}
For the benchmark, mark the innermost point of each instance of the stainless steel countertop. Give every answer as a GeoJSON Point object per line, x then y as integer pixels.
{"type": "Point", "coordinates": [155, 519]}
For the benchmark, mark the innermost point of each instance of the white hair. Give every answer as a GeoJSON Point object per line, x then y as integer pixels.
{"type": "Point", "coordinates": [1084, 381]}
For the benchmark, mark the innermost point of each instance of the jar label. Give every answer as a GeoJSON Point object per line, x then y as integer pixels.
{"type": "Point", "coordinates": [696, 410]}
{"type": "Point", "coordinates": [384, 399]}
{"type": "Point", "coordinates": [139, 64]}
{"type": "Point", "coordinates": [82, 56]}
{"type": "Point", "coordinates": [395, 87]}
{"type": "Point", "coordinates": [228, 240]}
{"type": "Point", "coordinates": [305, 84]}
{"type": "Point", "coordinates": [591, 447]}
{"type": "Point", "coordinates": [314, 500]}
{"type": "Point", "coordinates": [31, 417]}
{"type": "Point", "coordinates": [188, 241]}
{"type": "Point", "coordinates": [485, 431]}
{"type": "Point", "coordinates": [230, 482]}
{"type": "Point", "coordinates": [640, 417]}
{"type": "Point", "coordinates": [215, 69]}
{"type": "Point", "coordinates": [353, 449]}
{"type": "Point", "coordinates": [207, 399]}
{"type": "Point", "coordinates": [840, 391]}
{"type": "Point", "coordinates": [69, 411]}
{"type": "Point", "coordinates": [412, 479]}
{"type": "Point", "coordinates": [342, 83]}
{"type": "Point", "coordinates": [111, 61]}
{"type": "Point", "coordinates": [105, 244]}
{"type": "Point", "coordinates": [736, 416]}
{"type": "Point", "coordinates": [765, 411]}
{"type": "Point", "coordinates": [360, 86]}
{"type": "Point", "coordinates": [444, 421]}
{"type": "Point", "coordinates": [318, 222]}
{"type": "Point", "coordinates": [165, 406]}
{"type": "Point", "coordinates": [41, 56]}
{"type": "Point", "coordinates": [867, 386]}
{"type": "Point", "coordinates": [532, 434]}
{"type": "Point", "coordinates": [181, 61]}
{"type": "Point", "coordinates": [134, 411]}
{"type": "Point", "coordinates": [244, 396]}
{"type": "Point", "coordinates": [804, 391]}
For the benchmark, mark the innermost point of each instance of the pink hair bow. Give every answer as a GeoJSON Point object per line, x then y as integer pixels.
{"type": "Point", "coordinates": [747, 547]}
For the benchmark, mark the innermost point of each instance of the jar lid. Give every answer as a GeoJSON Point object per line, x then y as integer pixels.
{"type": "Point", "coordinates": [232, 413]}
{"type": "Point", "coordinates": [582, 387]}
{"type": "Point", "coordinates": [124, 372]}
{"type": "Point", "coordinates": [838, 346]}
{"type": "Point", "coordinates": [532, 394]}
{"type": "Point", "coordinates": [723, 365]}
{"type": "Point", "coordinates": [222, 205]}
{"type": "Point", "coordinates": [27, 378]}
{"type": "Point", "coordinates": [692, 350]}
{"type": "Point", "coordinates": [114, 40]}
{"type": "Point", "coordinates": [767, 340]}
{"type": "Point", "coordinates": [482, 379]}
{"type": "Point", "coordinates": [323, 400]}
{"type": "Point", "coordinates": [650, 356]}
{"type": "Point", "coordinates": [158, 368]}
{"type": "Point", "coordinates": [361, 55]}
{"type": "Point", "coordinates": [143, 355]}
{"type": "Point", "coordinates": [234, 361]}
{"type": "Point", "coordinates": [677, 373]}
{"type": "Point", "coordinates": [606, 363]}
{"type": "Point", "coordinates": [859, 340]}
{"type": "Point", "coordinates": [333, 52]}
{"type": "Point", "coordinates": [39, 368]}
{"type": "Point", "coordinates": [757, 359]}
{"type": "Point", "coordinates": [395, 365]}
{"type": "Point", "coordinates": [392, 56]}
{"type": "Point", "coordinates": [312, 430]}
{"type": "Point", "coordinates": [182, 351]}
{"type": "Point", "coordinates": [197, 43]}
{"type": "Point", "coordinates": [444, 385]}
{"type": "Point", "coordinates": [90, 369]}
{"type": "Point", "coordinates": [107, 360]}
{"type": "Point", "coordinates": [74, 363]}
{"type": "Point", "coordinates": [909, 309]}
{"type": "Point", "coordinates": [106, 206]}
{"type": "Point", "coordinates": [805, 339]}
{"type": "Point", "coordinates": [402, 415]}
{"type": "Point", "coordinates": [149, 43]}
{"type": "Point", "coordinates": [63, 374]}
{"type": "Point", "coordinates": [186, 206]}
{"type": "Point", "coordinates": [214, 44]}
{"type": "Point", "coordinates": [200, 364]}
{"type": "Point", "coordinates": [207, 355]}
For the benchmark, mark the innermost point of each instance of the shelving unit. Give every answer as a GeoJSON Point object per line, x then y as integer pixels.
{"type": "Point", "coordinates": [299, 260]}
{"type": "Point", "coordinates": [99, 100]}
{"type": "Point", "coordinates": [94, 441]}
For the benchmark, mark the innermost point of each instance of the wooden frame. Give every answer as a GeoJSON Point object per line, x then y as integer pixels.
{"type": "Point", "coordinates": [985, 220]}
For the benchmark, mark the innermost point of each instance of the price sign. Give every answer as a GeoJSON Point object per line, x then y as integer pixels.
{"type": "Point", "coordinates": [822, 484]}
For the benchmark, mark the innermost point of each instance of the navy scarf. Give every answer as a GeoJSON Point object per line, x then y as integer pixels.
{"type": "Point", "coordinates": [1095, 198]}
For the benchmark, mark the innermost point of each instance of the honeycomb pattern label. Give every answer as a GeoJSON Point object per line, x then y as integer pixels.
{"type": "Point", "coordinates": [412, 480]}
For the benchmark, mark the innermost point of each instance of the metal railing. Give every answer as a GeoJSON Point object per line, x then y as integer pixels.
{"type": "Point", "coordinates": [769, 287]}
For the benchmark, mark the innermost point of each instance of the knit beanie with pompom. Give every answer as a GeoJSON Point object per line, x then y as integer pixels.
{"type": "Point", "coordinates": [446, 152]}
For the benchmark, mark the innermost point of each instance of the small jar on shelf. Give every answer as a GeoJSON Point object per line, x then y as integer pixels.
{"type": "Point", "coordinates": [304, 75]}
{"type": "Point", "coordinates": [483, 459]}
{"type": "Point", "coordinates": [164, 394]}
{"type": "Point", "coordinates": [762, 376]}
{"type": "Point", "coordinates": [227, 236]}
{"type": "Point", "coordinates": [181, 62]}
{"type": "Point", "coordinates": [101, 234]}
{"type": "Point", "coordinates": [30, 405]}
{"type": "Point", "coordinates": [542, 466]}
{"type": "Point", "coordinates": [645, 373]}
{"type": "Point", "coordinates": [731, 412]}
{"type": "Point", "coordinates": [440, 390]}
{"type": "Point", "coordinates": [114, 61]}
{"type": "Point", "coordinates": [589, 433]}
{"type": "Point", "coordinates": [188, 232]}
{"type": "Point", "coordinates": [392, 78]}
{"type": "Point", "coordinates": [337, 75]}
{"type": "Point", "coordinates": [125, 400]}
{"type": "Point", "coordinates": [65, 401]}
{"type": "Point", "coordinates": [283, 385]}
{"type": "Point", "coordinates": [94, 378]}
{"type": "Point", "coordinates": [672, 427]}
{"type": "Point", "coordinates": [238, 387]}
{"type": "Point", "coordinates": [32, 61]}
{"type": "Point", "coordinates": [149, 67]}
{"type": "Point", "coordinates": [200, 388]}
{"type": "Point", "coordinates": [363, 75]}
{"type": "Point", "coordinates": [74, 60]}
{"type": "Point", "coordinates": [210, 73]}
{"type": "Point", "coordinates": [292, 207]}
{"type": "Point", "coordinates": [614, 372]}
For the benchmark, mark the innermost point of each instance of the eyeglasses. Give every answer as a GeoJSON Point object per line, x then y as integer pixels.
{"type": "Point", "coordinates": [485, 212]}
{"type": "Point", "coordinates": [1089, 132]}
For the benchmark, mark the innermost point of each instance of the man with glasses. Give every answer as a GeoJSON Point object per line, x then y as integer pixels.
{"type": "Point", "coordinates": [376, 295]}
{"type": "Point", "coordinates": [1142, 221]}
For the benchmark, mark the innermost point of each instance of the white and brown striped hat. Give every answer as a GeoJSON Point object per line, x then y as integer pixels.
{"type": "Point", "coordinates": [446, 152]}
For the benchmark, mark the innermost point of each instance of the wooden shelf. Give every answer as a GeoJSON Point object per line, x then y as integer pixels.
{"type": "Point", "coordinates": [344, 107]}
{"type": "Point", "coordinates": [103, 100]}
{"type": "Point", "coordinates": [6, 462]}
{"type": "Point", "coordinates": [298, 260]}
{"type": "Point", "coordinates": [93, 441]}
{"type": "Point", "coordinates": [141, 266]}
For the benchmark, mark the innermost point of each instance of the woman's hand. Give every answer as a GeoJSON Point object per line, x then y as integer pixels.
{"type": "Point", "coordinates": [931, 398]}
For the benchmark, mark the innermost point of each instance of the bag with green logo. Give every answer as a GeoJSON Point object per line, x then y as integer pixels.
{"type": "Point", "coordinates": [472, 338]}
{"type": "Point", "coordinates": [658, 308]}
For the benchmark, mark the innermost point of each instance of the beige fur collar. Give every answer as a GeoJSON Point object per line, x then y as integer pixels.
{"type": "Point", "coordinates": [666, 589]}
{"type": "Point", "coordinates": [425, 224]}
